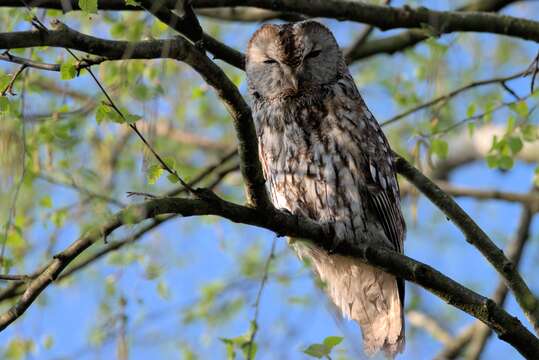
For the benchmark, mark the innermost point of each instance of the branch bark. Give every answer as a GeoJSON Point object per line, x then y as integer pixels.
{"type": "Point", "coordinates": [477, 237]}
{"type": "Point", "coordinates": [386, 18]}
{"type": "Point", "coordinates": [508, 327]}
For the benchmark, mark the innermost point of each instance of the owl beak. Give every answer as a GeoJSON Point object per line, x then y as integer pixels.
{"type": "Point", "coordinates": [291, 79]}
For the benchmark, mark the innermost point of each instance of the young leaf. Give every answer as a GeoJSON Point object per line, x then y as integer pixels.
{"type": "Point", "coordinates": [172, 178]}
{"type": "Point", "coordinates": [154, 173]}
{"type": "Point", "coordinates": [102, 113]}
{"type": "Point", "coordinates": [492, 161]}
{"type": "Point", "coordinates": [470, 111]}
{"type": "Point", "coordinates": [4, 103]}
{"type": "Point", "coordinates": [332, 341]}
{"type": "Point", "coordinates": [505, 162]}
{"type": "Point", "coordinates": [515, 144]}
{"type": "Point", "coordinates": [317, 350]}
{"type": "Point", "coordinates": [439, 147]}
{"type": "Point", "coordinates": [529, 132]}
{"type": "Point", "coordinates": [88, 6]}
{"type": "Point", "coordinates": [132, 118]}
{"type": "Point", "coordinates": [471, 128]}
{"type": "Point", "coordinates": [68, 71]}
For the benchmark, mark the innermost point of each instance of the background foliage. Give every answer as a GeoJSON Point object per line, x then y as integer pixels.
{"type": "Point", "coordinates": [188, 287]}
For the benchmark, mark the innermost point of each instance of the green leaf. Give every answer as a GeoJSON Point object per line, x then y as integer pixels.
{"type": "Point", "coordinates": [505, 162]}
{"type": "Point", "coordinates": [68, 71]}
{"type": "Point", "coordinates": [515, 144]}
{"type": "Point", "coordinates": [132, 3]}
{"type": "Point", "coordinates": [245, 349]}
{"type": "Point", "coordinates": [230, 351]}
{"type": "Point", "coordinates": [4, 103]}
{"type": "Point", "coordinates": [132, 118]}
{"type": "Point", "coordinates": [88, 6]}
{"type": "Point", "coordinates": [529, 132]}
{"type": "Point", "coordinates": [102, 113]}
{"type": "Point", "coordinates": [173, 178]}
{"type": "Point", "coordinates": [46, 201]}
{"type": "Point", "coordinates": [154, 173]}
{"type": "Point", "coordinates": [332, 341]}
{"type": "Point", "coordinates": [439, 147]}
{"type": "Point", "coordinates": [521, 109]}
{"type": "Point", "coordinates": [470, 111]}
{"type": "Point", "coordinates": [511, 121]}
{"type": "Point", "coordinates": [58, 218]}
{"type": "Point", "coordinates": [471, 128]}
{"type": "Point", "coordinates": [170, 161]}
{"type": "Point", "coordinates": [163, 290]}
{"type": "Point", "coordinates": [317, 350]}
{"type": "Point", "coordinates": [492, 161]}
{"type": "Point", "coordinates": [48, 342]}
{"type": "Point", "coordinates": [152, 271]}
{"type": "Point", "coordinates": [110, 285]}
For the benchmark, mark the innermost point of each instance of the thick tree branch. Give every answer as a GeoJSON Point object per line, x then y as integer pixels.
{"type": "Point", "coordinates": [508, 328]}
{"type": "Point", "coordinates": [477, 237]}
{"type": "Point", "coordinates": [409, 38]}
{"type": "Point", "coordinates": [385, 18]}
{"type": "Point", "coordinates": [514, 253]}
{"type": "Point", "coordinates": [375, 16]}
{"type": "Point", "coordinates": [476, 334]}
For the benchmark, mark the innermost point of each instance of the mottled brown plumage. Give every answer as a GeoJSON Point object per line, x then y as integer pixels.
{"type": "Point", "coordinates": [325, 157]}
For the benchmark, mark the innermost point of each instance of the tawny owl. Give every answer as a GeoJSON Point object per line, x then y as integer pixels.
{"type": "Point", "coordinates": [325, 157]}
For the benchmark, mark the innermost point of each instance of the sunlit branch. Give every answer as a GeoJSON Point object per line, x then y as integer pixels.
{"type": "Point", "coordinates": [508, 327]}
{"type": "Point", "coordinates": [477, 237]}
{"type": "Point", "coordinates": [474, 338]}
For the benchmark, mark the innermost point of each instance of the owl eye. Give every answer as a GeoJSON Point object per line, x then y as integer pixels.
{"type": "Point", "coordinates": [313, 54]}
{"type": "Point", "coordinates": [270, 61]}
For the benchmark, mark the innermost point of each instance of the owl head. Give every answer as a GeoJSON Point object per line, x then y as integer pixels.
{"type": "Point", "coordinates": [286, 60]}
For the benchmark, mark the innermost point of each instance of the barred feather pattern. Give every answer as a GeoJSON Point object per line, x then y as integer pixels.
{"type": "Point", "coordinates": [325, 157]}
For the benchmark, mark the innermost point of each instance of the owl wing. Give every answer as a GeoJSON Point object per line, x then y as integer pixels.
{"type": "Point", "coordinates": [376, 160]}
{"type": "Point", "coordinates": [382, 189]}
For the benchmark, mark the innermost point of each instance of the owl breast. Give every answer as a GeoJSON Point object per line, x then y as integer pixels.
{"type": "Point", "coordinates": [311, 150]}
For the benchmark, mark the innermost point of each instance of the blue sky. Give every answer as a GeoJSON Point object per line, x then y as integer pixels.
{"type": "Point", "coordinates": [193, 252]}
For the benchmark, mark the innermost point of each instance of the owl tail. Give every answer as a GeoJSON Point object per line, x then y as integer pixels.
{"type": "Point", "coordinates": [364, 294]}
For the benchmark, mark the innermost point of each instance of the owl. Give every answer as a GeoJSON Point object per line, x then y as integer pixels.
{"type": "Point", "coordinates": [325, 157]}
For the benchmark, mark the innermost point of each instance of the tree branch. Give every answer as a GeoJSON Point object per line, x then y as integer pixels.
{"type": "Point", "coordinates": [508, 328]}
{"type": "Point", "coordinates": [386, 18]}
{"type": "Point", "coordinates": [443, 22]}
{"type": "Point", "coordinates": [409, 38]}
{"type": "Point", "coordinates": [477, 237]}
{"type": "Point", "coordinates": [453, 93]}
{"type": "Point", "coordinates": [476, 334]}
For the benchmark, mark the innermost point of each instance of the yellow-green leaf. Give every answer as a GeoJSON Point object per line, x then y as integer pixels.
{"type": "Point", "coordinates": [88, 6]}
{"type": "Point", "coordinates": [154, 173]}
{"type": "Point", "coordinates": [68, 71]}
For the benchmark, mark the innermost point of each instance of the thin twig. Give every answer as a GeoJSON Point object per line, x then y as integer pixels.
{"type": "Point", "coordinates": [18, 186]}
{"type": "Point", "coordinates": [9, 87]}
{"type": "Point", "coordinates": [7, 277]}
{"type": "Point", "coordinates": [254, 322]}
{"type": "Point", "coordinates": [451, 94]}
